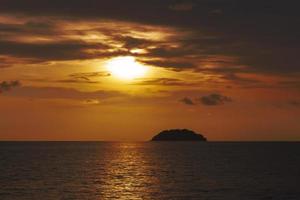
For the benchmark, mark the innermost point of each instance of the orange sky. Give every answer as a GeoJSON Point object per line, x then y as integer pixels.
{"type": "Point", "coordinates": [124, 77]}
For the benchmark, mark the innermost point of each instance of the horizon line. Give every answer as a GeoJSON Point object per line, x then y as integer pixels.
{"type": "Point", "coordinates": [132, 141]}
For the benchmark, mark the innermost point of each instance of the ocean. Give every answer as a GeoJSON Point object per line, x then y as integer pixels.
{"type": "Point", "coordinates": [149, 170]}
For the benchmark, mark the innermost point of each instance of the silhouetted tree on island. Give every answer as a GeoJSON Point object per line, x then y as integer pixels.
{"type": "Point", "coordinates": [178, 135]}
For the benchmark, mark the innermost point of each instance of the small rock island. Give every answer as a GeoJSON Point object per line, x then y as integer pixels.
{"type": "Point", "coordinates": [178, 135]}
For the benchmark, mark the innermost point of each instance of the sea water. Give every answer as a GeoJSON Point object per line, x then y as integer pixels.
{"type": "Point", "coordinates": [149, 170]}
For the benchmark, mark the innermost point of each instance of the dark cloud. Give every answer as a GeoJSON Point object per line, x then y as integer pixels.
{"type": "Point", "coordinates": [244, 82]}
{"type": "Point", "coordinates": [217, 12]}
{"type": "Point", "coordinates": [10, 61]}
{"type": "Point", "coordinates": [28, 28]}
{"type": "Point", "coordinates": [62, 50]}
{"type": "Point", "coordinates": [289, 83]}
{"type": "Point", "coordinates": [165, 82]}
{"type": "Point", "coordinates": [8, 85]}
{"type": "Point", "coordinates": [261, 35]}
{"type": "Point", "coordinates": [131, 42]}
{"type": "Point", "coordinates": [184, 6]}
{"type": "Point", "coordinates": [214, 100]}
{"type": "Point", "coordinates": [175, 65]}
{"type": "Point", "coordinates": [88, 75]}
{"type": "Point", "coordinates": [62, 93]}
{"type": "Point", "coordinates": [165, 51]}
{"type": "Point", "coordinates": [67, 80]}
{"type": "Point", "coordinates": [78, 80]}
{"type": "Point", "coordinates": [187, 101]}
{"type": "Point", "coordinates": [84, 77]}
{"type": "Point", "coordinates": [294, 103]}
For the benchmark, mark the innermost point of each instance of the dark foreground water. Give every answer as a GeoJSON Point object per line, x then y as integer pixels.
{"type": "Point", "coordinates": [163, 170]}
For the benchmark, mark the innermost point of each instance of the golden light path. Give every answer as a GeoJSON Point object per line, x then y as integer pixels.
{"type": "Point", "coordinates": [126, 68]}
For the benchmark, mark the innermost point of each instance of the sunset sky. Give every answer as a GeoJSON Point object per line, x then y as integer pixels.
{"type": "Point", "coordinates": [125, 70]}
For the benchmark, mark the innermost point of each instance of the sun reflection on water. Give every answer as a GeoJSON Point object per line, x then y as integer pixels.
{"type": "Point", "coordinates": [128, 174]}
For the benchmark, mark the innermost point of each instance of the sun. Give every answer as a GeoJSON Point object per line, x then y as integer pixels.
{"type": "Point", "coordinates": [126, 67]}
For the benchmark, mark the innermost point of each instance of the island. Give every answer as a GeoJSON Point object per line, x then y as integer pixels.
{"type": "Point", "coordinates": [178, 135]}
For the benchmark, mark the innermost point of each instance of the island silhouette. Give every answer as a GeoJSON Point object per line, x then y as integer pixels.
{"type": "Point", "coordinates": [178, 135]}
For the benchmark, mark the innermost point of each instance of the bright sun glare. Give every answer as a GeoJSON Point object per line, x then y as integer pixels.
{"type": "Point", "coordinates": [126, 68]}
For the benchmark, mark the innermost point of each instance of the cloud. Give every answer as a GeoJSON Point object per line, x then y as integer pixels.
{"type": "Point", "coordinates": [56, 39]}
{"type": "Point", "coordinates": [62, 93]}
{"type": "Point", "coordinates": [62, 50]}
{"type": "Point", "coordinates": [244, 82]}
{"type": "Point", "coordinates": [87, 75]}
{"type": "Point", "coordinates": [6, 86]}
{"type": "Point", "coordinates": [269, 46]}
{"type": "Point", "coordinates": [165, 82]}
{"type": "Point", "coordinates": [294, 103]}
{"type": "Point", "coordinates": [132, 42]}
{"type": "Point", "coordinates": [289, 84]}
{"type": "Point", "coordinates": [192, 98]}
{"type": "Point", "coordinates": [187, 101]}
{"type": "Point", "coordinates": [175, 65]}
{"type": "Point", "coordinates": [214, 100]}
{"type": "Point", "coordinates": [10, 61]}
{"type": "Point", "coordinates": [79, 80]}
{"type": "Point", "coordinates": [8, 31]}
{"type": "Point", "coordinates": [163, 51]}
{"type": "Point", "coordinates": [92, 102]}
{"type": "Point", "coordinates": [217, 12]}
{"type": "Point", "coordinates": [185, 6]}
